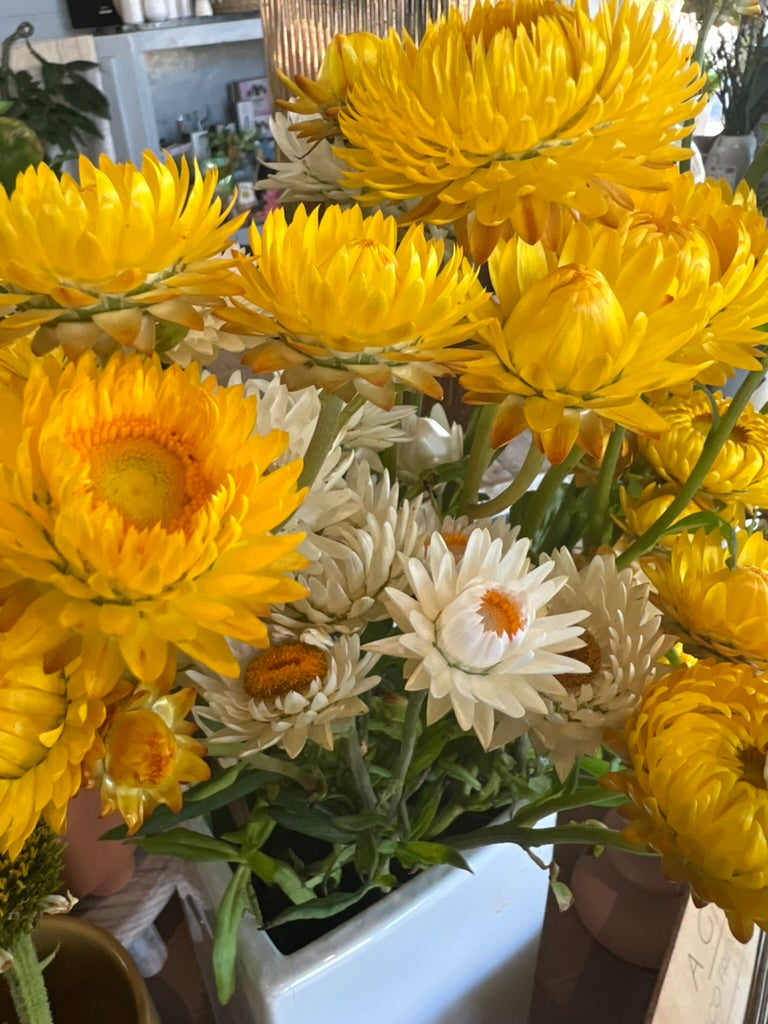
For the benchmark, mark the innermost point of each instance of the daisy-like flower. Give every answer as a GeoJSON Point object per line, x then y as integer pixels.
{"type": "Point", "coordinates": [476, 635]}
{"type": "Point", "coordinates": [347, 307]}
{"type": "Point", "coordinates": [135, 518]}
{"type": "Point", "coordinates": [456, 531]}
{"type": "Point", "coordinates": [48, 723]}
{"type": "Point", "coordinates": [145, 753]}
{"type": "Point", "coordinates": [740, 468]}
{"type": "Point", "coordinates": [579, 338]}
{"type": "Point", "coordinates": [535, 100]}
{"type": "Point", "coordinates": [623, 642]}
{"type": "Point", "coordinates": [309, 172]}
{"type": "Point", "coordinates": [350, 563]}
{"type": "Point", "coordinates": [697, 747]}
{"type": "Point", "coordinates": [721, 237]}
{"type": "Point", "coordinates": [289, 694]}
{"type": "Point", "coordinates": [723, 608]}
{"type": "Point", "coordinates": [102, 261]}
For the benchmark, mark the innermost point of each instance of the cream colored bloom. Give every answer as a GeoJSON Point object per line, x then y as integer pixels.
{"type": "Point", "coordinates": [291, 693]}
{"type": "Point", "coordinates": [623, 642]}
{"type": "Point", "coordinates": [351, 562]}
{"type": "Point", "coordinates": [476, 634]}
{"type": "Point", "coordinates": [310, 171]}
{"type": "Point", "coordinates": [433, 441]}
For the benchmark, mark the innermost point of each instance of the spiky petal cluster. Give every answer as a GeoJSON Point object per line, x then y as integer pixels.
{"type": "Point", "coordinates": [537, 100]}
{"type": "Point", "coordinates": [724, 607]}
{"type": "Point", "coordinates": [578, 338]}
{"type": "Point", "coordinates": [740, 468]}
{"type": "Point", "coordinates": [697, 748]}
{"type": "Point", "coordinates": [101, 261]}
{"type": "Point", "coordinates": [348, 306]}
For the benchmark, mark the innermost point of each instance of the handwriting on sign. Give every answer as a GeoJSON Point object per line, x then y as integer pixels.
{"type": "Point", "coordinates": [708, 975]}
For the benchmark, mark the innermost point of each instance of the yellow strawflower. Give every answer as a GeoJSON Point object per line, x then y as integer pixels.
{"type": "Point", "coordinates": [145, 753]}
{"type": "Point", "coordinates": [534, 99]}
{"type": "Point", "coordinates": [344, 305]}
{"type": "Point", "coordinates": [120, 257]}
{"type": "Point", "coordinates": [720, 237]}
{"type": "Point", "coordinates": [740, 468]}
{"type": "Point", "coordinates": [722, 607]}
{"type": "Point", "coordinates": [579, 338]}
{"type": "Point", "coordinates": [136, 518]}
{"type": "Point", "coordinates": [324, 96]}
{"type": "Point", "coordinates": [48, 723]}
{"type": "Point", "coordinates": [697, 747]}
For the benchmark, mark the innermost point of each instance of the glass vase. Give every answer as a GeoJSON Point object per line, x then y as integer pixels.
{"type": "Point", "coordinates": [297, 32]}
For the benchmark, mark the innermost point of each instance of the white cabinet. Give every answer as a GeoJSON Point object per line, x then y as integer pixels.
{"type": "Point", "coordinates": [153, 74]}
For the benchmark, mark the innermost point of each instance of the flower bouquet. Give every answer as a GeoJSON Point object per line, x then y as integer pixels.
{"type": "Point", "coordinates": [475, 538]}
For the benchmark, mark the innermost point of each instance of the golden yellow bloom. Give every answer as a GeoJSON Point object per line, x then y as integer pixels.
{"type": "Point", "coordinates": [324, 96]}
{"type": "Point", "coordinates": [721, 238]}
{"type": "Point", "coordinates": [698, 746]}
{"type": "Point", "coordinates": [579, 338]}
{"type": "Point", "coordinates": [144, 754]}
{"type": "Point", "coordinates": [740, 469]}
{"type": "Point", "coordinates": [527, 99]}
{"type": "Point", "coordinates": [641, 512]}
{"type": "Point", "coordinates": [345, 306]}
{"type": "Point", "coordinates": [47, 725]}
{"type": "Point", "coordinates": [102, 262]}
{"type": "Point", "coordinates": [135, 518]}
{"type": "Point", "coordinates": [725, 609]}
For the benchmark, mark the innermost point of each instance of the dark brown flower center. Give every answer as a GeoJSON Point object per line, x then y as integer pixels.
{"type": "Point", "coordinates": [589, 655]}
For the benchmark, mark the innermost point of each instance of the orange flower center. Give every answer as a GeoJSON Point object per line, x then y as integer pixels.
{"type": "Point", "coordinates": [456, 543]}
{"type": "Point", "coordinates": [144, 471]}
{"type": "Point", "coordinates": [140, 750]}
{"type": "Point", "coordinates": [501, 614]}
{"type": "Point", "coordinates": [588, 655]}
{"type": "Point", "coordinates": [284, 669]}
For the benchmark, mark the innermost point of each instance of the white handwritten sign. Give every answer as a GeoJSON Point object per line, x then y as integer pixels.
{"type": "Point", "coordinates": [708, 975]}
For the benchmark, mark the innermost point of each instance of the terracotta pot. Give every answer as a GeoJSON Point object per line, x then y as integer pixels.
{"type": "Point", "coordinates": [90, 980]}
{"type": "Point", "coordinates": [94, 866]}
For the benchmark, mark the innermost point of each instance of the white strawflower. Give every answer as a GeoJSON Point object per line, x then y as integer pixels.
{"type": "Point", "coordinates": [355, 560]}
{"type": "Point", "coordinates": [433, 442]}
{"type": "Point", "coordinates": [310, 172]}
{"type": "Point", "coordinates": [623, 641]}
{"type": "Point", "coordinates": [287, 694]}
{"type": "Point", "coordinates": [476, 634]}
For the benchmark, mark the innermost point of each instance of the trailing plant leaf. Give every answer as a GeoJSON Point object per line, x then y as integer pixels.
{"type": "Point", "coordinates": [231, 909]}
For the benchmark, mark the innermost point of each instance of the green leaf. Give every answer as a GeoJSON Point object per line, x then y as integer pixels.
{"type": "Point", "coordinates": [461, 774]}
{"type": "Point", "coordinates": [422, 854]}
{"type": "Point", "coordinates": [84, 96]}
{"type": "Point", "coordinates": [321, 907]}
{"type": "Point", "coordinates": [426, 809]}
{"type": "Point", "coordinates": [311, 821]}
{"type": "Point", "coordinates": [277, 872]}
{"type": "Point", "coordinates": [189, 845]}
{"type": "Point", "coordinates": [233, 905]}
{"type": "Point", "coordinates": [356, 823]}
{"type": "Point", "coordinates": [163, 818]}
{"type": "Point", "coordinates": [432, 743]}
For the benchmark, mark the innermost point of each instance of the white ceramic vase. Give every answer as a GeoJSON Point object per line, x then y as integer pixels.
{"type": "Point", "coordinates": [449, 947]}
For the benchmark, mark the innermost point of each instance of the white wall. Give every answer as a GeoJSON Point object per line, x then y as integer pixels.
{"type": "Point", "coordinates": [50, 18]}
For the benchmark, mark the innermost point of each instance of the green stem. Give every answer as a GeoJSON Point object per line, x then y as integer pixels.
{"type": "Point", "coordinates": [587, 796]}
{"type": "Point", "coordinates": [758, 168]}
{"type": "Point", "coordinates": [359, 771]}
{"type": "Point", "coordinates": [542, 497]}
{"type": "Point", "coordinates": [582, 834]}
{"type": "Point", "coordinates": [25, 980]}
{"type": "Point", "coordinates": [716, 438]}
{"type": "Point", "coordinates": [479, 455]}
{"type": "Point", "coordinates": [411, 727]}
{"type": "Point", "coordinates": [326, 432]}
{"type": "Point", "coordinates": [599, 526]}
{"type": "Point", "coordinates": [511, 494]}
